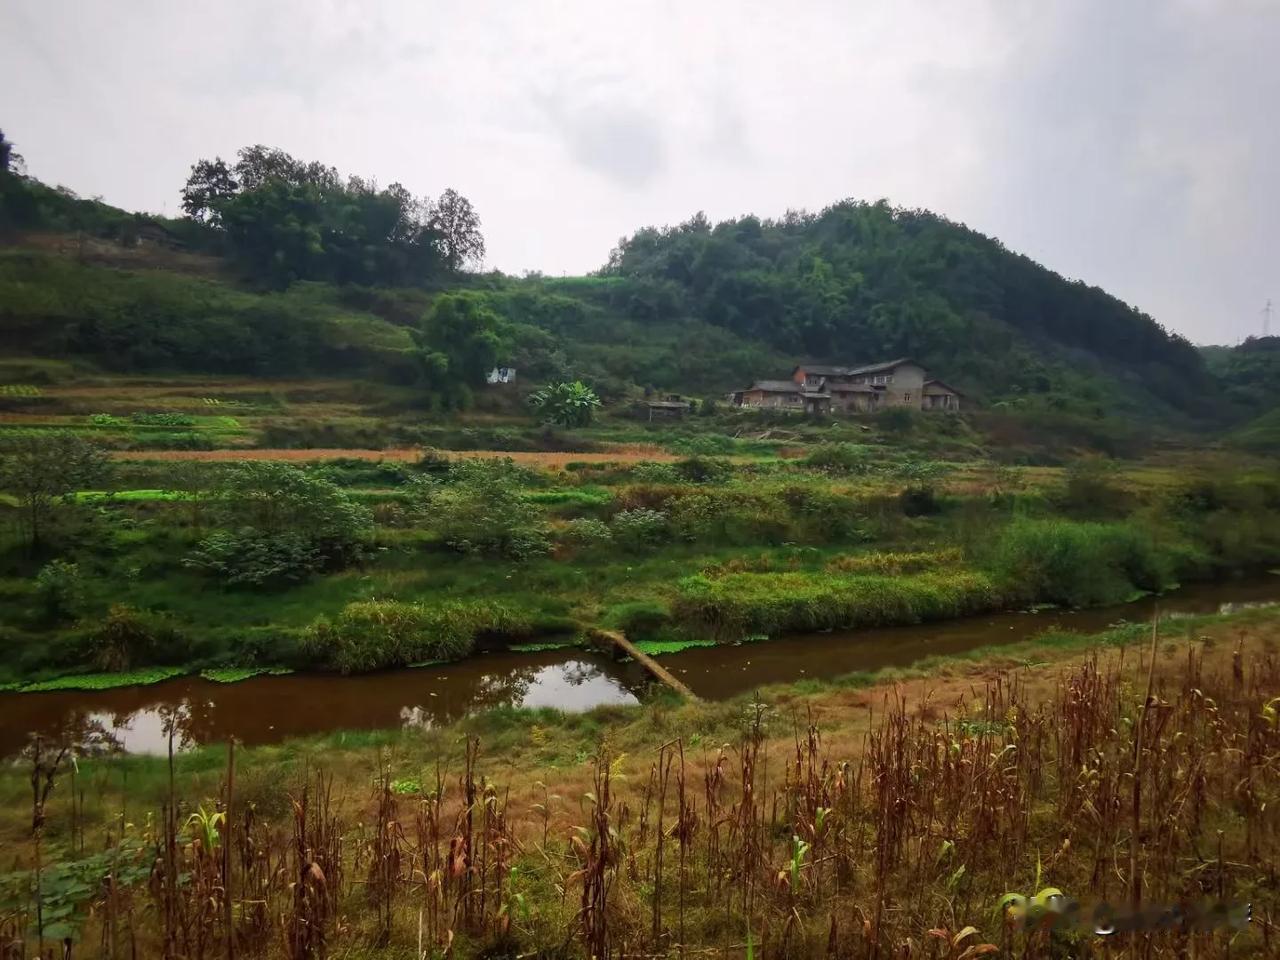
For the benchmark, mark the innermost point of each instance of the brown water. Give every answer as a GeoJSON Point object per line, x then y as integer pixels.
{"type": "Point", "coordinates": [269, 709]}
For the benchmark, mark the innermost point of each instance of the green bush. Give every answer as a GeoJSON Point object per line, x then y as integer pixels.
{"type": "Point", "coordinates": [641, 527]}
{"type": "Point", "coordinates": [128, 638]}
{"type": "Point", "coordinates": [725, 517]}
{"type": "Point", "coordinates": [250, 558]}
{"type": "Point", "coordinates": [703, 470]}
{"type": "Point", "coordinates": [1078, 564]}
{"type": "Point", "coordinates": [60, 588]}
{"type": "Point", "coordinates": [653, 472]}
{"type": "Point", "coordinates": [482, 512]}
{"type": "Point", "coordinates": [380, 634]}
{"type": "Point", "coordinates": [280, 525]}
{"type": "Point", "coordinates": [823, 516]}
{"type": "Point", "coordinates": [587, 532]}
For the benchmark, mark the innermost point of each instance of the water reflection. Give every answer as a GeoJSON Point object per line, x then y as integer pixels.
{"type": "Point", "coordinates": [269, 709]}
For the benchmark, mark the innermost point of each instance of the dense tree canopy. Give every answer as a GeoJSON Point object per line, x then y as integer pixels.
{"type": "Point", "coordinates": [460, 341]}
{"type": "Point", "coordinates": [293, 220]}
{"type": "Point", "coordinates": [1249, 373]}
{"type": "Point", "coordinates": [863, 281]}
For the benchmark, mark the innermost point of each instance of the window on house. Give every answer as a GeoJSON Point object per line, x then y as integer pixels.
{"type": "Point", "coordinates": [882, 378]}
{"type": "Point", "coordinates": [906, 398]}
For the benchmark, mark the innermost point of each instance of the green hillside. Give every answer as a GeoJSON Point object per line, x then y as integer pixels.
{"type": "Point", "coordinates": [285, 268]}
{"type": "Point", "coordinates": [866, 281]}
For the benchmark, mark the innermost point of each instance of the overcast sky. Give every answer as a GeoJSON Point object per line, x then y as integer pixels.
{"type": "Point", "coordinates": [1129, 143]}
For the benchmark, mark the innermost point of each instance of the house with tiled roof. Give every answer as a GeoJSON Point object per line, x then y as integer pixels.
{"type": "Point", "coordinates": [826, 388]}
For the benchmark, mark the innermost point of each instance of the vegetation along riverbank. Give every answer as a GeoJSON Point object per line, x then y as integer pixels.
{"type": "Point", "coordinates": [355, 565]}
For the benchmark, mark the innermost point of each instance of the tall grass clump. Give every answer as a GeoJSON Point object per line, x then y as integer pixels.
{"type": "Point", "coordinates": [735, 605]}
{"type": "Point", "coordinates": [379, 634]}
{"type": "Point", "coordinates": [1078, 564]}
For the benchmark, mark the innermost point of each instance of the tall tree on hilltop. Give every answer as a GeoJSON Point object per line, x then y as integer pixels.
{"type": "Point", "coordinates": [286, 219]}
{"type": "Point", "coordinates": [457, 225]}
{"type": "Point", "coordinates": [210, 185]}
{"type": "Point", "coordinates": [10, 159]}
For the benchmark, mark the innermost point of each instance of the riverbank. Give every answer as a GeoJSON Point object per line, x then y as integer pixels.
{"type": "Point", "coordinates": [265, 709]}
{"type": "Point", "coordinates": [824, 762]}
{"type": "Point", "coordinates": [368, 566]}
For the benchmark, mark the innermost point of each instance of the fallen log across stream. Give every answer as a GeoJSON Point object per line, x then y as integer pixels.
{"type": "Point", "coordinates": [613, 642]}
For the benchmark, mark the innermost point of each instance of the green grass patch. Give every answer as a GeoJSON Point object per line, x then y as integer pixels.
{"type": "Point", "coordinates": [541, 647]}
{"type": "Point", "coordinates": [656, 648]}
{"type": "Point", "coordinates": [104, 681]}
{"type": "Point", "coordinates": [586, 496]}
{"type": "Point", "coordinates": [236, 674]}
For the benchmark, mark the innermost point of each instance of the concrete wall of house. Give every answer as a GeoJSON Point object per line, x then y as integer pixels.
{"type": "Point", "coordinates": [763, 398]}
{"type": "Point", "coordinates": [853, 402]}
{"type": "Point", "coordinates": [906, 388]}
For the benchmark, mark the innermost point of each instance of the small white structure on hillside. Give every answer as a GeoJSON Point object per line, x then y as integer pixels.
{"type": "Point", "coordinates": [501, 375]}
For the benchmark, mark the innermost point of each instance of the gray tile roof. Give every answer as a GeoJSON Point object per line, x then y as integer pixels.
{"type": "Point", "coordinates": [825, 370]}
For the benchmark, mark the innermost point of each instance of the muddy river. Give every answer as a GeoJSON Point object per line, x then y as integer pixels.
{"type": "Point", "coordinates": [268, 709]}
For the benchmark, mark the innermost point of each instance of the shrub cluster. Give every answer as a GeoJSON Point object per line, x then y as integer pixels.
{"type": "Point", "coordinates": [737, 605]}
{"type": "Point", "coordinates": [1079, 564]}
{"type": "Point", "coordinates": [641, 527]}
{"type": "Point", "coordinates": [379, 634]}
{"type": "Point", "coordinates": [586, 532]}
{"type": "Point", "coordinates": [481, 511]}
{"type": "Point", "coordinates": [128, 637]}
{"type": "Point", "coordinates": [280, 524]}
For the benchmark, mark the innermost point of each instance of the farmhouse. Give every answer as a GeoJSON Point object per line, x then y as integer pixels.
{"type": "Point", "coordinates": [822, 388]}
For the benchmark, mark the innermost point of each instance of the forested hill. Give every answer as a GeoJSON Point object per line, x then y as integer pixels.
{"type": "Point", "coordinates": [862, 281]}
{"type": "Point", "coordinates": [284, 266]}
